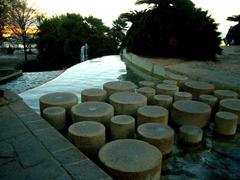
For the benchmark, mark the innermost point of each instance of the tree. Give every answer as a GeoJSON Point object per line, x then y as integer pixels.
{"type": "Point", "coordinates": [5, 6]}
{"type": "Point", "coordinates": [233, 35]}
{"type": "Point", "coordinates": [61, 37]}
{"type": "Point", "coordinates": [22, 20]}
{"type": "Point", "coordinates": [173, 28]}
{"type": "Point", "coordinates": [118, 30]}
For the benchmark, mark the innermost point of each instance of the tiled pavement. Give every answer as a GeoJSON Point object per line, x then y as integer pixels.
{"type": "Point", "coordinates": [30, 148]}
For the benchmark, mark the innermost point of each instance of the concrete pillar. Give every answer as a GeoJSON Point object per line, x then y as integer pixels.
{"type": "Point", "coordinates": [93, 94]}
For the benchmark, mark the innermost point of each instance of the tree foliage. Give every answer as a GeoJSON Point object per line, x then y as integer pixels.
{"type": "Point", "coordinates": [233, 35]}
{"type": "Point", "coordinates": [172, 28]}
{"type": "Point", "coordinates": [61, 37]}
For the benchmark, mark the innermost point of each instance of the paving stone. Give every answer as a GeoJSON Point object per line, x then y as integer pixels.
{"type": "Point", "coordinates": [38, 125]}
{"type": "Point", "coordinates": [11, 130]}
{"type": "Point", "coordinates": [29, 150]}
{"type": "Point", "coordinates": [6, 153]}
{"type": "Point", "coordinates": [12, 170]}
{"type": "Point", "coordinates": [86, 170]}
{"type": "Point", "coordinates": [52, 140]}
{"type": "Point", "coordinates": [69, 156]}
{"type": "Point", "coordinates": [20, 109]}
{"type": "Point", "coordinates": [47, 170]}
{"type": "Point", "coordinates": [31, 117]}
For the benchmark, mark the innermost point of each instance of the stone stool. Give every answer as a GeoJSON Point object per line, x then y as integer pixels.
{"type": "Point", "coordinates": [93, 94]}
{"type": "Point", "coordinates": [181, 79]}
{"type": "Point", "coordinates": [131, 159]}
{"type": "Point", "coordinates": [148, 92]}
{"type": "Point", "coordinates": [146, 84]}
{"type": "Point", "coordinates": [93, 111]}
{"type": "Point", "coordinates": [182, 96]}
{"type": "Point", "coordinates": [122, 127]}
{"type": "Point", "coordinates": [191, 113]}
{"type": "Point", "coordinates": [118, 86]}
{"type": "Point", "coordinates": [212, 101]}
{"type": "Point", "coordinates": [56, 116]}
{"type": "Point", "coordinates": [167, 89]}
{"type": "Point", "coordinates": [157, 134]}
{"type": "Point", "coordinates": [197, 88]}
{"type": "Point", "coordinates": [169, 81]}
{"type": "Point", "coordinates": [226, 123]}
{"type": "Point", "coordinates": [190, 135]}
{"type": "Point", "coordinates": [163, 100]}
{"type": "Point", "coordinates": [225, 94]}
{"type": "Point", "coordinates": [88, 136]}
{"type": "Point", "coordinates": [231, 105]}
{"type": "Point", "coordinates": [147, 114]}
{"type": "Point", "coordinates": [127, 103]}
{"type": "Point", "coordinates": [60, 99]}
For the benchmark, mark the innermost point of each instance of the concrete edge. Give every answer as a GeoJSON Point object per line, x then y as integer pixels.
{"type": "Point", "coordinates": [13, 75]}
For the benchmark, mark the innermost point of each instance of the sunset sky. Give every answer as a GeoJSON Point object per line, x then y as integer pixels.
{"type": "Point", "coordinates": [108, 10]}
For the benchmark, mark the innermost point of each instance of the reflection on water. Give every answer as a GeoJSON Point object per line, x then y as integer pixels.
{"type": "Point", "coordinates": [89, 74]}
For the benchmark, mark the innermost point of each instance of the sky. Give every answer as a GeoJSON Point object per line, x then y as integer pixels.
{"type": "Point", "coordinates": [109, 10]}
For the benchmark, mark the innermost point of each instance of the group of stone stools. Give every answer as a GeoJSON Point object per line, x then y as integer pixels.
{"type": "Point", "coordinates": [134, 122]}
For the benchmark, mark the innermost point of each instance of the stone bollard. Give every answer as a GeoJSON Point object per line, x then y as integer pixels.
{"type": "Point", "coordinates": [127, 103]}
{"type": "Point", "coordinates": [226, 123]}
{"type": "Point", "coordinates": [93, 94]}
{"type": "Point", "coordinates": [190, 135]}
{"type": "Point", "coordinates": [147, 84]}
{"type": "Point", "coordinates": [225, 94]}
{"type": "Point", "coordinates": [93, 111]}
{"type": "Point", "coordinates": [147, 114]}
{"type": "Point", "coordinates": [118, 86]}
{"type": "Point", "coordinates": [56, 116]}
{"type": "Point", "coordinates": [131, 159]}
{"type": "Point", "coordinates": [169, 81]}
{"type": "Point", "coordinates": [167, 89]}
{"type": "Point", "coordinates": [181, 79]}
{"type": "Point", "coordinates": [191, 113]}
{"type": "Point", "coordinates": [148, 92]}
{"type": "Point", "coordinates": [122, 127]}
{"type": "Point", "coordinates": [60, 99]}
{"type": "Point", "coordinates": [163, 100]}
{"type": "Point", "coordinates": [196, 88]}
{"type": "Point", "coordinates": [88, 136]}
{"type": "Point", "coordinates": [182, 96]}
{"type": "Point", "coordinates": [157, 134]}
{"type": "Point", "coordinates": [231, 105]}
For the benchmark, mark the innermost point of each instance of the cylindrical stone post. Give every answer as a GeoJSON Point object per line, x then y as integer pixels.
{"type": "Point", "coordinates": [225, 94]}
{"type": "Point", "coordinates": [197, 88]}
{"type": "Point", "coordinates": [167, 89]}
{"type": "Point", "coordinates": [163, 100]}
{"type": "Point", "coordinates": [131, 159]}
{"type": "Point", "coordinates": [191, 113]}
{"type": "Point", "coordinates": [190, 135]}
{"type": "Point", "coordinates": [148, 114]}
{"type": "Point", "coordinates": [147, 84]}
{"type": "Point", "coordinates": [157, 134]}
{"type": "Point", "coordinates": [93, 111]}
{"type": "Point", "coordinates": [181, 79]}
{"type": "Point", "coordinates": [93, 94]}
{"type": "Point", "coordinates": [169, 81]}
{"type": "Point", "coordinates": [226, 123]}
{"type": "Point", "coordinates": [88, 136]}
{"type": "Point", "coordinates": [231, 105]}
{"type": "Point", "coordinates": [118, 86]}
{"type": "Point", "coordinates": [127, 103]}
{"type": "Point", "coordinates": [178, 96]}
{"type": "Point", "coordinates": [148, 92]}
{"type": "Point", "coordinates": [56, 116]}
{"type": "Point", "coordinates": [122, 127]}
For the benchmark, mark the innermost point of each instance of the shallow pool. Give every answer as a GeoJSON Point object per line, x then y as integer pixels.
{"type": "Point", "coordinates": [89, 74]}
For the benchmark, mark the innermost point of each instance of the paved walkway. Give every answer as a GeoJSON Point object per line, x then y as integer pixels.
{"type": "Point", "coordinates": [30, 148]}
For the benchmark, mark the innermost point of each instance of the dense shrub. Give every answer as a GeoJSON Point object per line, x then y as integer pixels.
{"type": "Point", "coordinates": [173, 28]}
